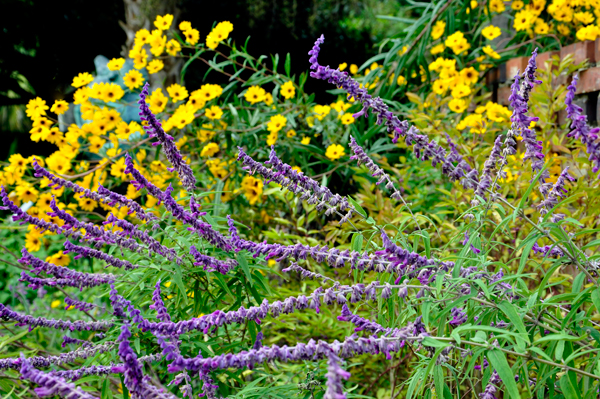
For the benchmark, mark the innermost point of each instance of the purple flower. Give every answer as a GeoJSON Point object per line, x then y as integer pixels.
{"type": "Point", "coordinates": [64, 358]}
{"type": "Point", "coordinates": [103, 195]}
{"type": "Point", "coordinates": [362, 158]}
{"type": "Point", "coordinates": [71, 277]}
{"type": "Point", "coordinates": [488, 167]}
{"type": "Point", "coordinates": [298, 183]}
{"type": "Point", "coordinates": [335, 375]}
{"type": "Point", "coordinates": [131, 367]}
{"type": "Point", "coordinates": [32, 322]}
{"type": "Point", "coordinates": [211, 264]}
{"type": "Point", "coordinates": [458, 317]}
{"type": "Point", "coordinates": [558, 191]}
{"type": "Point", "coordinates": [93, 253]}
{"type": "Point", "coordinates": [154, 129]}
{"type": "Point", "coordinates": [579, 127]}
{"type": "Point", "coordinates": [422, 147]}
{"type": "Point", "coordinates": [159, 305]}
{"type": "Point", "coordinates": [201, 228]}
{"type": "Point", "coordinates": [547, 250]}
{"type": "Point", "coordinates": [50, 385]}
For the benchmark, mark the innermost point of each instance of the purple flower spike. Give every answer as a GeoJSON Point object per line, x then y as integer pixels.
{"type": "Point", "coordinates": [558, 191]}
{"type": "Point", "coordinates": [103, 195]}
{"type": "Point", "coordinates": [458, 317]}
{"type": "Point", "coordinates": [547, 250]}
{"type": "Point", "coordinates": [32, 322]}
{"type": "Point", "coordinates": [93, 253]}
{"type": "Point", "coordinates": [335, 375]}
{"type": "Point", "coordinates": [422, 147]}
{"type": "Point", "coordinates": [131, 367]}
{"type": "Point", "coordinates": [50, 385]}
{"type": "Point", "coordinates": [159, 305]}
{"type": "Point", "coordinates": [298, 183]}
{"type": "Point", "coordinates": [154, 129]}
{"type": "Point", "coordinates": [71, 277]}
{"type": "Point", "coordinates": [211, 264]}
{"type": "Point", "coordinates": [579, 127]}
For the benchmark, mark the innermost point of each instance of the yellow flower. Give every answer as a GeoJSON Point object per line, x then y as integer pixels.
{"type": "Point", "coordinates": [117, 169]}
{"type": "Point", "coordinates": [96, 143]}
{"type": "Point", "coordinates": [205, 134]}
{"type": "Point", "coordinates": [439, 87]}
{"type": "Point", "coordinates": [438, 30]}
{"type": "Point", "coordinates": [27, 193]}
{"type": "Point", "coordinates": [347, 119]}
{"type": "Point", "coordinates": [163, 22]}
{"type": "Point", "coordinates": [276, 123]}
{"type": "Point", "coordinates": [116, 64]}
{"type": "Point", "coordinates": [457, 105]}
{"type": "Point", "coordinates": [36, 107]}
{"type": "Point", "coordinates": [253, 188]}
{"type": "Point", "coordinates": [213, 112]}
{"type": "Point", "coordinates": [269, 99]}
{"type": "Point", "coordinates": [491, 32]}
{"type": "Point", "coordinates": [517, 4]}
{"type": "Point", "coordinates": [290, 133]}
{"type": "Point", "coordinates": [523, 20]}
{"type": "Point", "coordinates": [155, 66]}
{"type": "Point", "coordinates": [173, 47]}
{"type": "Point", "coordinates": [588, 33]}
{"type": "Point", "coordinates": [82, 79]}
{"type": "Point", "coordinates": [353, 69]}
{"type": "Point", "coordinates": [59, 107]}
{"type": "Point", "coordinates": [321, 111]}
{"type": "Point", "coordinates": [490, 52]}
{"type": "Point", "coordinates": [563, 29]}
{"type": "Point", "coordinates": [80, 96]}
{"type": "Point", "coordinates": [209, 150]}
{"type": "Point", "coordinates": [59, 259]}
{"type": "Point", "coordinates": [305, 140]}
{"type": "Point", "coordinates": [133, 79]}
{"type": "Point", "coordinates": [56, 303]}
{"type": "Point", "coordinates": [185, 25]}
{"type": "Point", "coordinates": [192, 36]}
{"type": "Point", "coordinates": [87, 204]}
{"type": "Point", "coordinates": [585, 17]}
{"type": "Point", "coordinates": [469, 75]}
{"type": "Point", "coordinates": [272, 138]}
{"type": "Point", "coordinates": [342, 66]}
{"type": "Point", "coordinates": [33, 240]}
{"type": "Point", "coordinates": [497, 6]}
{"type": "Point", "coordinates": [177, 92]}
{"type": "Point", "coordinates": [139, 57]}
{"type": "Point", "coordinates": [255, 94]}
{"type": "Point", "coordinates": [334, 151]}
{"type": "Point", "coordinates": [112, 92]}
{"type": "Point", "coordinates": [157, 101]}
{"type": "Point", "coordinates": [437, 49]}
{"type": "Point", "coordinates": [460, 91]}
{"type": "Point", "coordinates": [288, 90]}
{"type": "Point", "coordinates": [541, 27]}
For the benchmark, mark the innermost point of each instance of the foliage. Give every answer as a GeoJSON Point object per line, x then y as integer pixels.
{"type": "Point", "coordinates": [473, 274]}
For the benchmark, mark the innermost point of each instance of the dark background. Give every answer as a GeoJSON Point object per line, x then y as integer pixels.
{"type": "Point", "coordinates": [44, 44]}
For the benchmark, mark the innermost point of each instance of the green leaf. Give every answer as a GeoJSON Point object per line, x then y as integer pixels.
{"type": "Point", "coordinates": [500, 364]}
{"type": "Point", "coordinates": [357, 242]}
{"type": "Point", "coordinates": [556, 337]}
{"type": "Point", "coordinates": [288, 64]}
{"type": "Point", "coordinates": [509, 310]}
{"type": "Point", "coordinates": [429, 341]}
{"type": "Point", "coordinates": [359, 208]}
{"type": "Point", "coordinates": [438, 378]}
{"type": "Point", "coordinates": [596, 298]}
{"type": "Point", "coordinates": [528, 191]}
{"type": "Point", "coordinates": [567, 388]}
{"type": "Point", "coordinates": [244, 265]}
{"type": "Point", "coordinates": [179, 281]}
